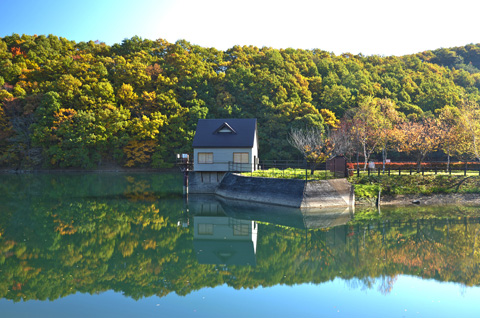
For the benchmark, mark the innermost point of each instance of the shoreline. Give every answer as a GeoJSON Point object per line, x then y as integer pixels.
{"type": "Point", "coordinates": [423, 199]}
{"type": "Point", "coordinates": [385, 200]}
{"type": "Point", "coordinates": [78, 170]}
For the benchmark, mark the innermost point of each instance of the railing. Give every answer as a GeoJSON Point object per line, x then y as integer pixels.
{"type": "Point", "coordinates": [425, 169]}
{"type": "Point", "coordinates": [293, 169]}
{"type": "Point", "coordinates": [241, 167]}
{"type": "Point", "coordinates": [267, 168]}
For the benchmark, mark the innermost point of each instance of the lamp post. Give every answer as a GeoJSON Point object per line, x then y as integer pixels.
{"type": "Point", "coordinates": [184, 166]}
{"type": "Point", "coordinates": [183, 162]}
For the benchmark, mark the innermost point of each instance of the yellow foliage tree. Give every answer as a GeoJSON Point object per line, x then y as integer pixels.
{"type": "Point", "coordinates": [139, 152]}
{"type": "Point", "coordinates": [329, 118]}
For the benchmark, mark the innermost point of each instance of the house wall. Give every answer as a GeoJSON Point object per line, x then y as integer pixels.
{"type": "Point", "coordinates": [254, 153]}
{"type": "Point", "coordinates": [222, 157]}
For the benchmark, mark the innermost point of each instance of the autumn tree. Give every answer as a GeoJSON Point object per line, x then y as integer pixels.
{"type": "Point", "coordinates": [418, 138]}
{"type": "Point", "coordinates": [470, 117]}
{"type": "Point", "coordinates": [388, 118]}
{"type": "Point", "coordinates": [342, 140]}
{"type": "Point", "coordinates": [283, 89]}
{"type": "Point", "coordinates": [365, 127]}
{"type": "Point", "coordinates": [314, 144]}
{"type": "Point", "coordinates": [452, 137]}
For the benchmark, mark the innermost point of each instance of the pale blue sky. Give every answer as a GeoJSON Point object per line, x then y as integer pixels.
{"type": "Point", "coordinates": [370, 26]}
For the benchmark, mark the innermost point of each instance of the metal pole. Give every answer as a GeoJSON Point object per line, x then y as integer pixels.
{"type": "Point", "coordinates": [306, 170]}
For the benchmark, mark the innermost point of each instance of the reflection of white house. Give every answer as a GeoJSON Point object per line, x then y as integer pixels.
{"type": "Point", "coordinates": [225, 145]}
{"type": "Point", "coordinates": [224, 240]}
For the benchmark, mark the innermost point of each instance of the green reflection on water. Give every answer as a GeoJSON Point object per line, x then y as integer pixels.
{"type": "Point", "coordinates": [134, 233]}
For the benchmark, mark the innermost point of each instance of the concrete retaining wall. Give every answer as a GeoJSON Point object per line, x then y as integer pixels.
{"type": "Point", "coordinates": [204, 182]}
{"type": "Point", "coordinates": [328, 193]}
{"type": "Point", "coordinates": [287, 192]}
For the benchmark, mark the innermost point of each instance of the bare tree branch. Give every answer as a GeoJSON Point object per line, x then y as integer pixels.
{"type": "Point", "coordinates": [313, 143]}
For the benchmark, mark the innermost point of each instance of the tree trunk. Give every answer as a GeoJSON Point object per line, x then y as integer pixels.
{"type": "Point", "coordinates": [365, 156]}
{"type": "Point", "coordinates": [448, 159]}
{"type": "Point", "coordinates": [475, 146]}
{"type": "Point", "coordinates": [384, 155]}
{"type": "Point", "coordinates": [420, 159]}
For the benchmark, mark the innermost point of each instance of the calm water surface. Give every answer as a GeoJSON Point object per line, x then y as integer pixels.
{"type": "Point", "coordinates": [130, 245]}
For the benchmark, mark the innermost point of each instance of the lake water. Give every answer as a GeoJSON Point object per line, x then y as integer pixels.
{"type": "Point", "coordinates": [130, 245]}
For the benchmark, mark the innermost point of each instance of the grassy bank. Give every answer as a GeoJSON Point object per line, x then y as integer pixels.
{"type": "Point", "coordinates": [369, 186]}
{"type": "Point", "coordinates": [290, 173]}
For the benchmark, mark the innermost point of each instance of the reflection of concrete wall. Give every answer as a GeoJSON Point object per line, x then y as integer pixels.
{"type": "Point", "coordinates": [310, 218]}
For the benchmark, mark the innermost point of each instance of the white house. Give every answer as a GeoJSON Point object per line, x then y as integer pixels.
{"type": "Point", "coordinates": [222, 145]}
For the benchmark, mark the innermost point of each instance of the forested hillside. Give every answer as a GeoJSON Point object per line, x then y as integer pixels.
{"type": "Point", "coordinates": [136, 104]}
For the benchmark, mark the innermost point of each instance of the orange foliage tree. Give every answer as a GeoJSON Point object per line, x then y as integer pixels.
{"type": "Point", "coordinates": [418, 138]}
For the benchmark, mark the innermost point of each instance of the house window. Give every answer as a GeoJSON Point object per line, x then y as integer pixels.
{"type": "Point", "coordinates": [241, 229]}
{"type": "Point", "coordinates": [205, 157]}
{"type": "Point", "coordinates": [205, 229]}
{"type": "Point", "coordinates": [240, 157]}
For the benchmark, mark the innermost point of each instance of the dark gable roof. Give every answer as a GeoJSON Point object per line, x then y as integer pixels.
{"type": "Point", "coordinates": [209, 133]}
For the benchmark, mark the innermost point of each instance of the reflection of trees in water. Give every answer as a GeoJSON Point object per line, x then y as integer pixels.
{"type": "Point", "coordinates": [384, 283]}
{"type": "Point", "coordinates": [55, 245]}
